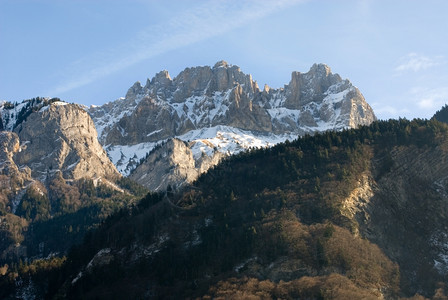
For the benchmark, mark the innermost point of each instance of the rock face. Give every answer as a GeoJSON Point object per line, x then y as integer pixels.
{"type": "Point", "coordinates": [51, 165]}
{"type": "Point", "coordinates": [172, 164]}
{"type": "Point", "coordinates": [62, 137]}
{"type": "Point", "coordinates": [223, 97]}
{"type": "Point", "coordinates": [401, 206]}
{"type": "Point", "coordinates": [49, 140]}
{"type": "Point", "coordinates": [9, 145]}
{"type": "Point", "coordinates": [172, 155]}
{"type": "Point", "coordinates": [204, 97]}
{"type": "Point", "coordinates": [13, 180]}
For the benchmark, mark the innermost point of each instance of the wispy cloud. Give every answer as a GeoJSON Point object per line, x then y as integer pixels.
{"type": "Point", "coordinates": [205, 21]}
{"type": "Point", "coordinates": [389, 111]}
{"type": "Point", "coordinates": [430, 99]}
{"type": "Point", "coordinates": [415, 62]}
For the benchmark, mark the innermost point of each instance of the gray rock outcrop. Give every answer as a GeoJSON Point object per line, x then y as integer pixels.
{"type": "Point", "coordinates": [222, 95]}
{"type": "Point", "coordinates": [62, 137]}
{"type": "Point", "coordinates": [173, 164]}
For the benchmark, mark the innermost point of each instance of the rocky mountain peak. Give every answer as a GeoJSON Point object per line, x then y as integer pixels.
{"type": "Point", "coordinates": [311, 86]}
{"type": "Point", "coordinates": [134, 90]}
{"type": "Point", "coordinates": [61, 137]}
{"type": "Point", "coordinates": [221, 63]}
{"type": "Point", "coordinates": [162, 79]}
{"type": "Point", "coordinates": [322, 70]}
{"type": "Point", "coordinates": [204, 97]}
{"type": "Point", "coordinates": [266, 88]}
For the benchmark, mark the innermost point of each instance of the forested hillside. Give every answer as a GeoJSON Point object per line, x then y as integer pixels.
{"type": "Point", "coordinates": [357, 214]}
{"type": "Point", "coordinates": [56, 181]}
{"type": "Point", "coordinates": [442, 114]}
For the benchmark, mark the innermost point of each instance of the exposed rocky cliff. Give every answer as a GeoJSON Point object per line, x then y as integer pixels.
{"type": "Point", "coordinates": [48, 138]}
{"type": "Point", "coordinates": [204, 97]}
{"type": "Point", "coordinates": [13, 180]}
{"type": "Point", "coordinates": [225, 100]}
{"type": "Point", "coordinates": [173, 164]}
{"type": "Point", "coordinates": [61, 137]}
{"type": "Point", "coordinates": [51, 164]}
{"type": "Point", "coordinates": [403, 209]}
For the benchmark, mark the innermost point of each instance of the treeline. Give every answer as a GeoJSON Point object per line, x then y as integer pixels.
{"type": "Point", "coordinates": [280, 206]}
{"type": "Point", "coordinates": [31, 105]}
{"type": "Point", "coordinates": [442, 114]}
{"type": "Point", "coordinates": [54, 217]}
{"type": "Point", "coordinates": [265, 203]}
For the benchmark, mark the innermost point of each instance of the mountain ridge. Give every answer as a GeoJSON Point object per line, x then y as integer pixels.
{"type": "Point", "coordinates": [345, 213]}
{"type": "Point", "coordinates": [223, 97]}
{"type": "Point", "coordinates": [52, 170]}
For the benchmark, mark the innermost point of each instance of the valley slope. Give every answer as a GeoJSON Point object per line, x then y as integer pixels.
{"type": "Point", "coordinates": [357, 214]}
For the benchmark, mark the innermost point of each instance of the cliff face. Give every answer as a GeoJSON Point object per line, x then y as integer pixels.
{"type": "Point", "coordinates": [225, 101]}
{"type": "Point", "coordinates": [172, 164]}
{"type": "Point", "coordinates": [48, 141]}
{"type": "Point", "coordinates": [51, 165]}
{"type": "Point", "coordinates": [13, 180]}
{"type": "Point", "coordinates": [62, 138]}
{"type": "Point", "coordinates": [204, 97]}
{"type": "Point", "coordinates": [403, 209]}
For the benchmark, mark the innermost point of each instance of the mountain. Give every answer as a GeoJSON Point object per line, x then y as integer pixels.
{"type": "Point", "coordinates": [52, 168]}
{"type": "Point", "coordinates": [62, 138]}
{"type": "Point", "coordinates": [53, 137]}
{"type": "Point", "coordinates": [161, 135]}
{"type": "Point", "coordinates": [356, 214]}
{"type": "Point", "coordinates": [221, 111]}
{"type": "Point", "coordinates": [62, 165]}
{"type": "Point", "coordinates": [176, 156]}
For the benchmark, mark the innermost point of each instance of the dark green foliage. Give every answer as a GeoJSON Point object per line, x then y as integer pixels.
{"type": "Point", "coordinates": [149, 200]}
{"type": "Point", "coordinates": [31, 106]}
{"type": "Point", "coordinates": [132, 187]}
{"type": "Point", "coordinates": [281, 207]}
{"type": "Point", "coordinates": [442, 114]}
{"type": "Point", "coordinates": [65, 198]}
{"type": "Point", "coordinates": [42, 273]}
{"type": "Point", "coordinates": [59, 233]}
{"type": "Point", "coordinates": [75, 209]}
{"type": "Point", "coordinates": [34, 205]}
{"type": "Point", "coordinates": [8, 105]}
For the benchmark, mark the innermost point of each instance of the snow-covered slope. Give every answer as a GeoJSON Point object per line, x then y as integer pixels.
{"type": "Point", "coordinates": [206, 141]}
{"type": "Point", "coordinates": [221, 109]}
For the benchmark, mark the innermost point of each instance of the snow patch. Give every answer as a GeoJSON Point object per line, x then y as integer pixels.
{"type": "Point", "coordinates": [154, 132]}
{"type": "Point", "coordinates": [126, 157]}
{"type": "Point", "coordinates": [229, 140]}
{"type": "Point", "coordinates": [59, 103]}
{"type": "Point", "coordinates": [440, 242]}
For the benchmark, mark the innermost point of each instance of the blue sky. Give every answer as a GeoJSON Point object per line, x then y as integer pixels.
{"type": "Point", "coordinates": [92, 51]}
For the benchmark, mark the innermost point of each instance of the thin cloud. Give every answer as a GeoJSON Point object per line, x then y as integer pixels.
{"type": "Point", "coordinates": [430, 99]}
{"type": "Point", "coordinates": [389, 111]}
{"type": "Point", "coordinates": [415, 62]}
{"type": "Point", "coordinates": [209, 20]}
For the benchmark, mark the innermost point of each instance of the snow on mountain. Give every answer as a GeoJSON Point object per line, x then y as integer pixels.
{"type": "Point", "coordinates": [10, 114]}
{"type": "Point", "coordinates": [127, 157]}
{"type": "Point", "coordinates": [222, 109]}
{"type": "Point", "coordinates": [229, 140]}
{"type": "Point", "coordinates": [225, 139]}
